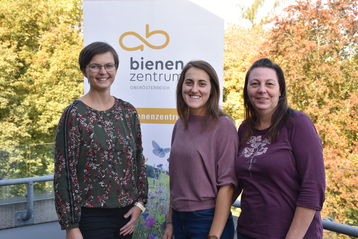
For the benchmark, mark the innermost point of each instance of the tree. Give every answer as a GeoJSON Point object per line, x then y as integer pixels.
{"type": "Point", "coordinates": [40, 77]}
{"type": "Point", "coordinates": [241, 47]}
{"type": "Point", "coordinates": [258, 11]}
{"type": "Point", "coordinates": [316, 43]}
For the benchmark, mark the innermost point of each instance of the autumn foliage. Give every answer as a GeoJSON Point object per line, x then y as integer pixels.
{"type": "Point", "coordinates": [39, 45]}
{"type": "Point", "coordinates": [316, 43]}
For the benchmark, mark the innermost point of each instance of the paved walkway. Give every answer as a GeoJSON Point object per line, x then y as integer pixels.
{"type": "Point", "coordinates": [50, 230]}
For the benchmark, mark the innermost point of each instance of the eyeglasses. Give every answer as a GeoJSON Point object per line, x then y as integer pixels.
{"type": "Point", "coordinates": [98, 67]}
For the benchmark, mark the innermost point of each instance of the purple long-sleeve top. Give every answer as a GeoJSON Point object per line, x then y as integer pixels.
{"type": "Point", "coordinates": [278, 177]}
{"type": "Point", "coordinates": [202, 159]}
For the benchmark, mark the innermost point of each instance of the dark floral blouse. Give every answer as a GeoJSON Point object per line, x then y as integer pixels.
{"type": "Point", "coordinates": [98, 160]}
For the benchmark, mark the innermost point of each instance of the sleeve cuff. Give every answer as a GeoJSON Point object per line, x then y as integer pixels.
{"type": "Point", "coordinates": [63, 227]}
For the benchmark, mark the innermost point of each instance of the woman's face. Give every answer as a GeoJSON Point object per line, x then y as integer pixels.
{"type": "Point", "coordinates": [263, 90]}
{"type": "Point", "coordinates": [101, 71]}
{"type": "Point", "coordinates": [196, 90]}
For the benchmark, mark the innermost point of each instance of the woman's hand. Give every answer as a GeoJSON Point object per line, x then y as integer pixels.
{"type": "Point", "coordinates": [301, 221]}
{"type": "Point", "coordinates": [222, 210]}
{"type": "Point", "coordinates": [168, 233]}
{"type": "Point", "coordinates": [73, 233]}
{"type": "Point", "coordinates": [134, 214]}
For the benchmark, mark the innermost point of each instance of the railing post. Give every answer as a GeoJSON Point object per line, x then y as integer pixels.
{"type": "Point", "coordinates": [27, 217]}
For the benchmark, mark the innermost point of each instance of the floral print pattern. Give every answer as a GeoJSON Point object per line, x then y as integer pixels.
{"type": "Point", "coordinates": [98, 160]}
{"type": "Point", "coordinates": [257, 145]}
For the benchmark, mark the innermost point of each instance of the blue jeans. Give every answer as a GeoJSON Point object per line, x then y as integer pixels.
{"type": "Point", "coordinates": [196, 225]}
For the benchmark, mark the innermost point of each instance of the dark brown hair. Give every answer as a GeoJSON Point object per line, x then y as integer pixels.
{"type": "Point", "coordinates": [282, 110]}
{"type": "Point", "coordinates": [212, 106]}
{"type": "Point", "coordinates": [93, 49]}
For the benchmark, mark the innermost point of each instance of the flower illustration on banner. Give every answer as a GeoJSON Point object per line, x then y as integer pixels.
{"type": "Point", "coordinates": [159, 151]}
{"type": "Point", "coordinates": [153, 236]}
{"type": "Point", "coordinates": [258, 146]}
{"type": "Point", "coordinates": [149, 221]}
{"type": "Point", "coordinates": [153, 221]}
{"type": "Point", "coordinates": [145, 215]}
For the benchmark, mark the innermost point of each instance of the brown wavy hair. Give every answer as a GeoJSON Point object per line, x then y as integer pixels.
{"type": "Point", "coordinates": [282, 110]}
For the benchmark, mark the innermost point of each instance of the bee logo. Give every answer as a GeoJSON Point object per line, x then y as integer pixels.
{"type": "Point", "coordinates": [148, 34]}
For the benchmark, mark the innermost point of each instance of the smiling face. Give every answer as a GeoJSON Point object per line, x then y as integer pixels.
{"type": "Point", "coordinates": [196, 90]}
{"type": "Point", "coordinates": [101, 79]}
{"type": "Point", "coordinates": [263, 90]}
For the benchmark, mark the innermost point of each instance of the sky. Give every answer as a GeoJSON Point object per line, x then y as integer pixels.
{"type": "Point", "coordinates": [230, 10]}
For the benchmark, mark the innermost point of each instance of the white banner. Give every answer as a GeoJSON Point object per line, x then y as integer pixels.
{"type": "Point", "coordinates": [154, 40]}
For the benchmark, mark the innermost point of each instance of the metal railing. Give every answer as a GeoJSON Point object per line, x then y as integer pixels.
{"type": "Point", "coordinates": [26, 217]}
{"type": "Point", "coordinates": [328, 224]}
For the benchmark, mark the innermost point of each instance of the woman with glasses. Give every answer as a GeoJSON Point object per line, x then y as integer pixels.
{"type": "Point", "coordinates": [100, 182]}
